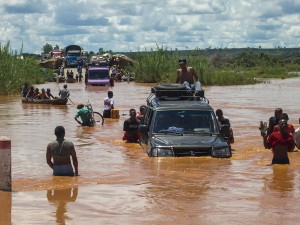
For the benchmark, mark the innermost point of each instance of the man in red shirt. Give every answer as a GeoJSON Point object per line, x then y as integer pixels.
{"type": "Point", "coordinates": [289, 129]}
{"type": "Point", "coordinates": [281, 143]}
{"type": "Point", "coordinates": [131, 128]}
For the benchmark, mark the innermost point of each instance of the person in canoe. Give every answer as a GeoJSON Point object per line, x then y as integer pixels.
{"type": "Point", "coordinates": [25, 90]}
{"type": "Point", "coordinates": [30, 93]}
{"type": "Point", "coordinates": [42, 95]}
{"type": "Point", "coordinates": [36, 93]}
{"type": "Point", "coordinates": [64, 93]}
{"type": "Point", "coordinates": [49, 94]}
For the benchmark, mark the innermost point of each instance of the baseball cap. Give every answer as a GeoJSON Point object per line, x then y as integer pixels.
{"type": "Point", "coordinates": [284, 116]}
{"type": "Point", "coordinates": [182, 61]}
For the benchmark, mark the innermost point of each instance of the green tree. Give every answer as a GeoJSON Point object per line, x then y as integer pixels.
{"type": "Point", "coordinates": [109, 51]}
{"type": "Point", "coordinates": [47, 48]}
{"type": "Point", "coordinates": [56, 47]}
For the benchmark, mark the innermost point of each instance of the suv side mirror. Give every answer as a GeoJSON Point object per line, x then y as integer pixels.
{"type": "Point", "coordinates": [144, 129]}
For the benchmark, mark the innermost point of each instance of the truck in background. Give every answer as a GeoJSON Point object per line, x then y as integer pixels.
{"type": "Point", "coordinates": [71, 60]}
{"type": "Point", "coordinates": [71, 53]}
{"type": "Point", "coordinates": [56, 54]}
{"type": "Point", "coordinates": [74, 55]}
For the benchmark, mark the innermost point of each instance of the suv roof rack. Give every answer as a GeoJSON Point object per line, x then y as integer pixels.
{"type": "Point", "coordinates": [175, 92]}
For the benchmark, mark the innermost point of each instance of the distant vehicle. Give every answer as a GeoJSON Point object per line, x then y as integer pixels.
{"type": "Point", "coordinates": [99, 61]}
{"type": "Point", "coordinates": [71, 61]}
{"type": "Point", "coordinates": [69, 48]}
{"type": "Point", "coordinates": [56, 54]}
{"type": "Point", "coordinates": [74, 55]}
{"type": "Point", "coordinates": [98, 76]}
{"type": "Point", "coordinates": [178, 124]}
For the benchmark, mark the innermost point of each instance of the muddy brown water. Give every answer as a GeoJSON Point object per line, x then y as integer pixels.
{"type": "Point", "coordinates": [120, 184]}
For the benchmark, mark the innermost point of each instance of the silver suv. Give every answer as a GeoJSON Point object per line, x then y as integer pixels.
{"type": "Point", "coordinates": [181, 126]}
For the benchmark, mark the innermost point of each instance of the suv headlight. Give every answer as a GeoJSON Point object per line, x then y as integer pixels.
{"type": "Point", "coordinates": [221, 152]}
{"type": "Point", "coordinates": [162, 152]}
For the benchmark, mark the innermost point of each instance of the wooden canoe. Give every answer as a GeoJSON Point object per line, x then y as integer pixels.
{"type": "Point", "coordinates": [71, 80]}
{"type": "Point", "coordinates": [56, 101]}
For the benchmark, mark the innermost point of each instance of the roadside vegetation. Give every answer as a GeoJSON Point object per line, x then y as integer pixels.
{"type": "Point", "coordinates": [15, 71]}
{"type": "Point", "coordinates": [219, 68]}
{"type": "Point", "coordinates": [159, 65]}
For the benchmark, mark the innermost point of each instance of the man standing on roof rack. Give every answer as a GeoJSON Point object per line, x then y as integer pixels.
{"type": "Point", "coordinates": [187, 76]}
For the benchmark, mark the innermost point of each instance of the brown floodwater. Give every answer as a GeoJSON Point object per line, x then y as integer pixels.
{"type": "Point", "coordinates": [120, 184]}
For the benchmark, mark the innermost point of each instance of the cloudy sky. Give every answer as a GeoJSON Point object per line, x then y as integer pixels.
{"type": "Point", "coordinates": [133, 25]}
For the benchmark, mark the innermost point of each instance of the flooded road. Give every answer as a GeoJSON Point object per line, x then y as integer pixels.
{"type": "Point", "coordinates": [120, 184]}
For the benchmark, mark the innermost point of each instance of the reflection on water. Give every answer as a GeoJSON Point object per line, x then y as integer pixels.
{"type": "Point", "coordinates": [5, 207]}
{"type": "Point", "coordinates": [119, 183]}
{"type": "Point", "coordinates": [60, 198]}
{"type": "Point", "coordinates": [282, 181]}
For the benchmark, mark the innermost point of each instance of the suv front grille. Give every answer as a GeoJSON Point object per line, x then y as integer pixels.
{"type": "Point", "coordinates": [180, 152]}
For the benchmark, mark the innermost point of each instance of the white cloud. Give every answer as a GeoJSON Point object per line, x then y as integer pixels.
{"type": "Point", "coordinates": [129, 25]}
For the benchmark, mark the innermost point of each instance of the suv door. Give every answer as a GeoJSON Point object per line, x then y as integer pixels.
{"type": "Point", "coordinates": [146, 125]}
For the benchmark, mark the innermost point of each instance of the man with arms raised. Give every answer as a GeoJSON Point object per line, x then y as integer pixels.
{"type": "Point", "coordinates": [61, 151]}
{"type": "Point", "coordinates": [281, 143]}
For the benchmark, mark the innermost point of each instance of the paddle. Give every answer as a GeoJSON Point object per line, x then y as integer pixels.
{"type": "Point", "coordinates": [59, 88]}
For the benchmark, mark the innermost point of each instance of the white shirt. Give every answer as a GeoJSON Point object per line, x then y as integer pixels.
{"type": "Point", "coordinates": [108, 103]}
{"type": "Point", "coordinates": [296, 136]}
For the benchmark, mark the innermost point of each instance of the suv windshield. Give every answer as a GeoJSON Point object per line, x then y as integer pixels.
{"type": "Point", "coordinates": [185, 121]}
{"type": "Point", "coordinates": [98, 74]}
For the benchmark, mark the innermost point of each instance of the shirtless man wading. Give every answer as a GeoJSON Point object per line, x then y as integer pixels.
{"type": "Point", "coordinates": [61, 151]}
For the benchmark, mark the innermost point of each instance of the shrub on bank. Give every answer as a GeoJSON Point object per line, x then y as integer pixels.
{"type": "Point", "coordinates": [15, 71]}
{"type": "Point", "coordinates": [160, 65]}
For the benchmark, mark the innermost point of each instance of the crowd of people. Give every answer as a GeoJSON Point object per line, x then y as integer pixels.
{"type": "Point", "coordinates": [130, 126]}
{"type": "Point", "coordinates": [35, 93]}
{"type": "Point", "coordinates": [279, 135]}
{"type": "Point", "coordinates": [78, 76]}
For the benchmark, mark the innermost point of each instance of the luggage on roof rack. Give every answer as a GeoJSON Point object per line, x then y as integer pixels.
{"type": "Point", "coordinates": [174, 92]}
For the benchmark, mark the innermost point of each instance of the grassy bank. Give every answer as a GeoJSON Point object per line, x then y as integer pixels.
{"type": "Point", "coordinates": [15, 71]}
{"type": "Point", "coordinates": [233, 67]}
{"type": "Point", "coordinates": [160, 65]}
